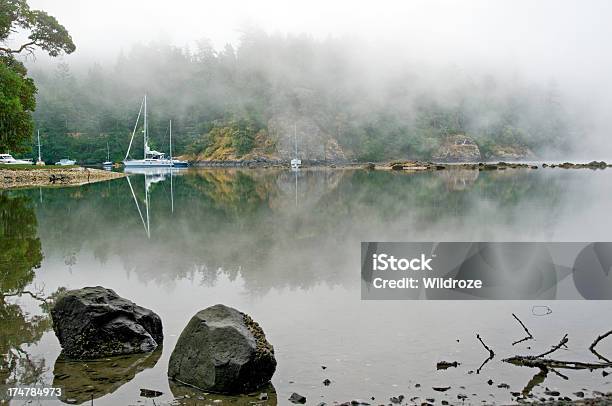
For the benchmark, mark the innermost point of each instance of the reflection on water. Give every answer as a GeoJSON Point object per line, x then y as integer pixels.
{"type": "Point", "coordinates": [20, 256]}
{"type": "Point", "coordinates": [86, 380]}
{"type": "Point", "coordinates": [187, 396]}
{"type": "Point", "coordinates": [285, 247]}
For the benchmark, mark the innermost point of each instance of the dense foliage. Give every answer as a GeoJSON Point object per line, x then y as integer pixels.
{"type": "Point", "coordinates": [222, 100]}
{"type": "Point", "coordinates": [17, 101]}
{"type": "Point", "coordinates": [17, 91]}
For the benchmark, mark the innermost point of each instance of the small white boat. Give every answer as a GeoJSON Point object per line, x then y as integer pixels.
{"type": "Point", "coordinates": [151, 158]}
{"type": "Point", "coordinates": [108, 162]}
{"type": "Point", "coordinates": [296, 163]}
{"type": "Point", "coordinates": [8, 159]}
{"type": "Point", "coordinates": [65, 162]}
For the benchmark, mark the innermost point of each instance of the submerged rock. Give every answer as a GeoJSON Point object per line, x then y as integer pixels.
{"type": "Point", "coordinates": [95, 322]}
{"type": "Point", "coordinates": [297, 398]}
{"type": "Point", "coordinates": [222, 350]}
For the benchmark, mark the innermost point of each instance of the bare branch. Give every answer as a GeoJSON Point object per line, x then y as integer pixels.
{"type": "Point", "coordinates": [594, 344]}
{"type": "Point", "coordinates": [562, 343]}
{"type": "Point", "coordinates": [529, 335]}
{"type": "Point", "coordinates": [491, 354]}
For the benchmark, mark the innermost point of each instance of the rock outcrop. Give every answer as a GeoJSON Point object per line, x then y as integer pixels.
{"type": "Point", "coordinates": [457, 148]}
{"type": "Point", "coordinates": [222, 350]}
{"type": "Point", "coordinates": [95, 322]}
{"type": "Point", "coordinates": [313, 142]}
{"type": "Point", "coordinates": [511, 152]}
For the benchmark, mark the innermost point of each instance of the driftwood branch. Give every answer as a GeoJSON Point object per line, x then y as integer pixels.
{"type": "Point", "coordinates": [491, 353]}
{"type": "Point", "coordinates": [594, 344]}
{"type": "Point", "coordinates": [562, 343]}
{"type": "Point", "coordinates": [529, 335]}
{"type": "Point", "coordinates": [538, 361]}
{"type": "Point", "coordinates": [531, 361]}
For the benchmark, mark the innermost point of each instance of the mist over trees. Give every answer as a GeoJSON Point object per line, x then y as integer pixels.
{"type": "Point", "coordinates": [229, 102]}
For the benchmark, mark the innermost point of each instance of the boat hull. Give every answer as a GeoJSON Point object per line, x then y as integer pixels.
{"type": "Point", "coordinates": [180, 164]}
{"type": "Point", "coordinates": [17, 162]}
{"type": "Point", "coordinates": [148, 163]}
{"type": "Point", "coordinates": [65, 162]}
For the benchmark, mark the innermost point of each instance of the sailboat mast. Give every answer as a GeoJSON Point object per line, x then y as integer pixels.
{"type": "Point", "coordinates": [146, 133]}
{"type": "Point", "coordinates": [127, 154]}
{"type": "Point", "coordinates": [171, 140]}
{"type": "Point", "coordinates": [39, 146]}
{"type": "Point", "coordinates": [295, 136]}
{"type": "Point", "coordinates": [107, 152]}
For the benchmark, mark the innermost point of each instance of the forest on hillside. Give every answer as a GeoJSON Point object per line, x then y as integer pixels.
{"type": "Point", "coordinates": [374, 106]}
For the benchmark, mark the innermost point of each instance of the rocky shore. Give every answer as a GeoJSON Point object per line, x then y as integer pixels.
{"type": "Point", "coordinates": [410, 165]}
{"type": "Point", "coordinates": [483, 166]}
{"type": "Point", "coordinates": [50, 176]}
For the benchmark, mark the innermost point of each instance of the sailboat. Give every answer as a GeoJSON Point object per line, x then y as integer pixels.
{"type": "Point", "coordinates": [176, 162]}
{"type": "Point", "coordinates": [108, 162]}
{"type": "Point", "coordinates": [151, 158]}
{"type": "Point", "coordinates": [295, 162]}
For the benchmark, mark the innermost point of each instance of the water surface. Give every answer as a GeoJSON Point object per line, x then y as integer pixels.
{"type": "Point", "coordinates": [285, 248]}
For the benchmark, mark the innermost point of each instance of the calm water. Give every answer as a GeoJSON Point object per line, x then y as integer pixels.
{"type": "Point", "coordinates": [284, 247]}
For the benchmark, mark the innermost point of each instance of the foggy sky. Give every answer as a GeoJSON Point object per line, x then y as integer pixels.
{"type": "Point", "coordinates": [560, 41]}
{"type": "Point", "coordinates": [567, 37]}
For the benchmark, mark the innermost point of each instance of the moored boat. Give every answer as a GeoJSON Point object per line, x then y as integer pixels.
{"type": "Point", "coordinates": [151, 158]}
{"type": "Point", "coordinates": [8, 159]}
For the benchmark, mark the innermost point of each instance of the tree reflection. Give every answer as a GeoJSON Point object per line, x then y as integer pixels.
{"type": "Point", "coordinates": [20, 255]}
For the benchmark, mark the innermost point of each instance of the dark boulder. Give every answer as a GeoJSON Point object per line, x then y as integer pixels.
{"type": "Point", "coordinates": [297, 398]}
{"type": "Point", "coordinates": [222, 350]}
{"type": "Point", "coordinates": [95, 322]}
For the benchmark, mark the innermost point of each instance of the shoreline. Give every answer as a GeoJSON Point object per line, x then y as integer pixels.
{"type": "Point", "coordinates": [20, 177]}
{"type": "Point", "coordinates": [408, 165]}
{"type": "Point", "coordinates": [11, 178]}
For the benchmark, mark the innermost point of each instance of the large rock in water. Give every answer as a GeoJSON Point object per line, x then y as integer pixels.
{"type": "Point", "coordinates": [95, 322]}
{"type": "Point", "coordinates": [222, 350]}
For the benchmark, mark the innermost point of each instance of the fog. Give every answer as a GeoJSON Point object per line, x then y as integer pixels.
{"type": "Point", "coordinates": [564, 36]}
{"type": "Point", "coordinates": [545, 43]}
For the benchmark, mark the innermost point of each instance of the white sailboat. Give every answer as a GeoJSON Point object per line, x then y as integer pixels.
{"type": "Point", "coordinates": [108, 162]}
{"type": "Point", "coordinates": [151, 158]}
{"type": "Point", "coordinates": [295, 162]}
